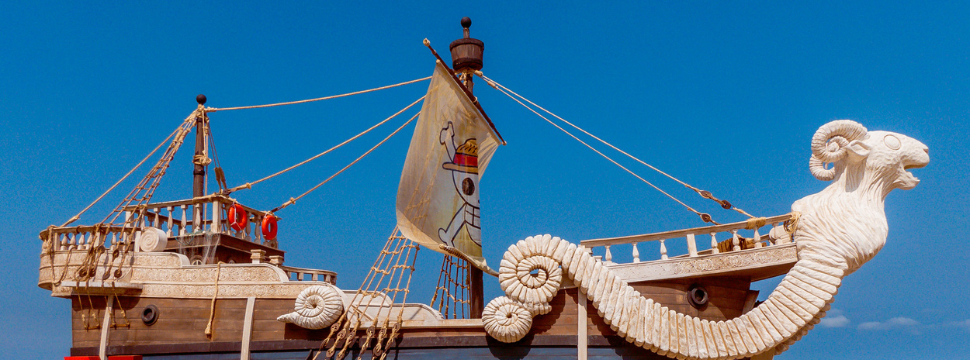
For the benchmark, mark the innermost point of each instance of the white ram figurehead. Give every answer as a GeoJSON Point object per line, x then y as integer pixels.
{"type": "Point", "coordinates": [848, 216]}
{"type": "Point", "coordinates": [839, 229]}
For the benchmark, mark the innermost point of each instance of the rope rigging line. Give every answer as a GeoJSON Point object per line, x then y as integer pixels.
{"type": "Point", "coordinates": [317, 99]}
{"type": "Point", "coordinates": [220, 175]}
{"type": "Point", "coordinates": [375, 318]}
{"type": "Point", "coordinates": [151, 180]}
{"type": "Point", "coordinates": [139, 196]}
{"type": "Point", "coordinates": [293, 200]}
{"type": "Point", "coordinates": [703, 193]}
{"type": "Point", "coordinates": [78, 216]}
{"type": "Point", "coordinates": [705, 217]}
{"type": "Point", "coordinates": [249, 185]}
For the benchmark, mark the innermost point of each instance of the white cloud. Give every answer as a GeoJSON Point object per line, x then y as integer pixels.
{"type": "Point", "coordinates": [965, 324]}
{"type": "Point", "coordinates": [891, 324]}
{"type": "Point", "coordinates": [835, 319]}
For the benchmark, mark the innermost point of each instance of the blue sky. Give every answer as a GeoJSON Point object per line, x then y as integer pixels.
{"type": "Point", "coordinates": [725, 96]}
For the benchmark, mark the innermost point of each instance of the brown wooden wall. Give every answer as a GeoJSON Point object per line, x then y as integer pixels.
{"type": "Point", "coordinates": [179, 321]}
{"type": "Point", "coordinates": [183, 321]}
{"type": "Point", "coordinates": [727, 299]}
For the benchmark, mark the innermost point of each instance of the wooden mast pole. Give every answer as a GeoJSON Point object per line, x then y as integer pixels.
{"type": "Point", "coordinates": [198, 173]}
{"type": "Point", "coordinates": [466, 58]}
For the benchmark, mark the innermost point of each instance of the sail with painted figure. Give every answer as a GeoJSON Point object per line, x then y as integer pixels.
{"type": "Point", "coordinates": [438, 197]}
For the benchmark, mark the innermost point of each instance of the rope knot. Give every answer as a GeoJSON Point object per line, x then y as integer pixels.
{"type": "Point", "coordinates": [201, 159]}
{"type": "Point", "coordinates": [792, 223]}
{"type": "Point", "coordinates": [755, 223]}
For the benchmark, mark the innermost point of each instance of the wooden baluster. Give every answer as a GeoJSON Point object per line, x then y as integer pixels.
{"type": "Point", "coordinates": [62, 241]}
{"type": "Point", "coordinates": [216, 226]}
{"type": "Point", "coordinates": [256, 229]}
{"type": "Point", "coordinates": [170, 216]}
{"type": "Point", "coordinates": [70, 241]}
{"type": "Point", "coordinates": [735, 241]}
{"type": "Point", "coordinates": [140, 223]}
{"type": "Point", "coordinates": [259, 228]}
{"type": "Point", "coordinates": [609, 255]}
{"type": "Point", "coordinates": [691, 245]}
{"type": "Point", "coordinates": [714, 249]}
{"type": "Point", "coordinates": [196, 218]}
{"type": "Point", "coordinates": [182, 231]}
{"type": "Point", "coordinates": [80, 241]}
{"type": "Point", "coordinates": [770, 240]}
{"type": "Point", "coordinates": [247, 231]}
{"type": "Point", "coordinates": [114, 239]}
{"type": "Point", "coordinates": [636, 253]}
{"type": "Point", "coordinates": [757, 239]}
{"type": "Point", "coordinates": [663, 250]}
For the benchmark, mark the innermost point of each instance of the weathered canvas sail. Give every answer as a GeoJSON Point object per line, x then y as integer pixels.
{"type": "Point", "coordinates": [437, 200]}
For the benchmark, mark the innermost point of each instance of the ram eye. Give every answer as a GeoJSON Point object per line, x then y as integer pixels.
{"type": "Point", "coordinates": [892, 142]}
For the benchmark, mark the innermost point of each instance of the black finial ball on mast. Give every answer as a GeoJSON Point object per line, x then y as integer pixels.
{"type": "Point", "coordinates": [200, 99]}
{"type": "Point", "coordinates": [466, 53]}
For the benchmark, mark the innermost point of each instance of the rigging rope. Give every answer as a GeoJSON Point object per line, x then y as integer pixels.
{"type": "Point", "coordinates": [293, 200]}
{"type": "Point", "coordinates": [317, 99]}
{"type": "Point", "coordinates": [250, 184]}
{"type": "Point", "coordinates": [78, 216]}
{"type": "Point", "coordinates": [703, 193]}
{"type": "Point", "coordinates": [705, 217]}
{"type": "Point", "coordinates": [220, 175]}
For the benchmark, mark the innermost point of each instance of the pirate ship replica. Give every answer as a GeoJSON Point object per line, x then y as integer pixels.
{"type": "Point", "coordinates": [204, 277]}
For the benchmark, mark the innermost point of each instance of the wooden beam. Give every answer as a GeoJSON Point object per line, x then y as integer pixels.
{"type": "Point", "coordinates": [581, 326]}
{"type": "Point", "coordinates": [476, 294]}
{"type": "Point", "coordinates": [247, 332]}
{"type": "Point", "coordinates": [105, 325]}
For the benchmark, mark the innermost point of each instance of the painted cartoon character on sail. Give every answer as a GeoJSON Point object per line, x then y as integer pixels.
{"type": "Point", "coordinates": [464, 171]}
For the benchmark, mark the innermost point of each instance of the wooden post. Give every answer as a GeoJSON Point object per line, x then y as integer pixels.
{"type": "Point", "coordinates": [466, 55]}
{"type": "Point", "coordinates": [581, 336]}
{"type": "Point", "coordinates": [691, 245]}
{"type": "Point", "coordinates": [476, 300]}
{"type": "Point", "coordinates": [105, 325]}
{"type": "Point", "coordinates": [247, 329]}
{"type": "Point", "coordinates": [198, 173]}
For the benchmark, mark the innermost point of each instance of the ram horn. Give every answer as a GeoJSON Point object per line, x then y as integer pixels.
{"type": "Point", "coordinates": [819, 171]}
{"type": "Point", "coordinates": [830, 141]}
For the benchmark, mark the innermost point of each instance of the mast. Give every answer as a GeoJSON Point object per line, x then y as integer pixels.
{"type": "Point", "coordinates": [198, 173]}
{"type": "Point", "coordinates": [466, 55]}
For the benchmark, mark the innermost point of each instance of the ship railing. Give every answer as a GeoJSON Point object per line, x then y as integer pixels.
{"type": "Point", "coordinates": [303, 274]}
{"type": "Point", "coordinates": [201, 215]}
{"type": "Point", "coordinates": [83, 237]}
{"type": "Point", "coordinates": [180, 218]}
{"type": "Point", "coordinates": [734, 241]}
